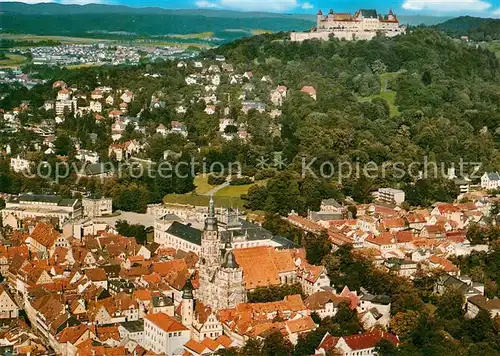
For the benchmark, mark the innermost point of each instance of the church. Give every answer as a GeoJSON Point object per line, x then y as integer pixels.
{"type": "Point", "coordinates": [221, 278]}
{"type": "Point", "coordinates": [227, 273]}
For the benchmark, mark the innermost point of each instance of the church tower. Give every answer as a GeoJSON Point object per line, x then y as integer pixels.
{"type": "Point", "coordinates": [230, 287]}
{"type": "Point", "coordinates": [210, 257]}
{"type": "Point", "coordinates": [187, 309]}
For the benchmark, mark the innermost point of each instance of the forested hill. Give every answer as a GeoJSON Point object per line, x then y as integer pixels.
{"type": "Point", "coordinates": [389, 99]}
{"type": "Point", "coordinates": [69, 9]}
{"type": "Point", "coordinates": [478, 29]}
{"type": "Point", "coordinates": [122, 22]}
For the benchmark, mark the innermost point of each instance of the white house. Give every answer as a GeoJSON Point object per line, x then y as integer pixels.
{"type": "Point", "coordinates": [278, 95]}
{"type": "Point", "coordinates": [96, 94]}
{"type": "Point", "coordinates": [19, 164]}
{"type": "Point", "coordinates": [210, 109]}
{"type": "Point", "coordinates": [490, 180]}
{"type": "Point", "coordinates": [87, 156]}
{"type": "Point", "coordinates": [127, 97]}
{"type": "Point", "coordinates": [97, 207]}
{"type": "Point", "coordinates": [95, 106]}
{"type": "Point", "coordinates": [164, 335]}
{"type": "Point", "coordinates": [162, 130]}
{"type": "Point", "coordinates": [391, 195]}
{"type": "Point", "coordinates": [180, 110]}
{"type": "Point", "coordinates": [8, 307]}
{"type": "Point", "coordinates": [374, 309]}
{"type": "Point", "coordinates": [64, 94]}
{"type": "Point", "coordinates": [110, 100]}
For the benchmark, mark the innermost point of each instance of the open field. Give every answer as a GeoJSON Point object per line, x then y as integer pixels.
{"type": "Point", "coordinates": [167, 43]}
{"type": "Point", "coordinates": [233, 190]}
{"type": "Point", "coordinates": [238, 190]}
{"type": "Point", "coordinates": [201, 35]}
{"type": "Point", "coordinates": [84, 40]}
{"type": "Point", "coordinates": [62, 39]}
{"type": "Point", "coordinates": [203, 200]}
{"type": "Point", "coordinates": [12, 60]}
{"type": "Point", "coordinates": [79, 66]}
{"type": "Point", "coordinates": [229, 196]}
{"type": "Point", "coordinates": [257, 32]}
{"type": "Point", "coordinates": [202, 186]}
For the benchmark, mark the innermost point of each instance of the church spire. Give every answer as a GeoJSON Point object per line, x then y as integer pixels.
{"type": "Point", "coordinates": [211, 207]}
{"type": "Point", "coordinates": [211, 220]}
{"type": "Point", "coordinates": [187, 290]}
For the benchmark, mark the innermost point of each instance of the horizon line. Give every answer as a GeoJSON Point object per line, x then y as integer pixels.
{"type": "Point", "coordinates": [312, 13]}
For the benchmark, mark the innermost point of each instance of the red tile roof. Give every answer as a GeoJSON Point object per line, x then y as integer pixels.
{"type": "Point", "coordinates": [165, 322]}
{"type": "Point", "coordinates": [369, 339]}
{"type": "Point", "coordinates": [45, 234]}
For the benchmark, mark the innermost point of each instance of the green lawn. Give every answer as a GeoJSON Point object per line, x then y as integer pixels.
{"type": "Point", "coordinates": [233, 191]}
{"type": "Point", "coordinates": [256, 32]}
{"type": "Point", "coordinates": [238, 190]}
{"type": "Point", "coordinates": [203, 200]}
{"type": "Point", "coordinates": [202, 186]}
{"type": "Point", "coordinates": [201, 35]}
{"type": "Point", "coordinates": [229, 196]}
{"type": "Point", "coordinates": [12, 60]}
{"type": "Point", "coordinates": [62, 39]}
{"type": "Point", "coordinates": [387, 95]}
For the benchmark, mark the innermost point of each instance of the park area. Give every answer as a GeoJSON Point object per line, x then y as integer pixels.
{"type": "Point", "coordinates": [226, 196]}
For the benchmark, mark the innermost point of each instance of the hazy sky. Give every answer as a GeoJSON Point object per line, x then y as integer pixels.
{"type": "Point", "coordinates": [489, 8]}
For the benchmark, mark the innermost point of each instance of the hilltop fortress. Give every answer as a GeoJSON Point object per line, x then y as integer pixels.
{"type": "Point", "coordinates": [363, 25]}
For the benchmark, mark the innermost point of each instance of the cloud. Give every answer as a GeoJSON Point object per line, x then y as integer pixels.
{"type": "Point", "coordinates": [260, 5]}
{"type": "Point", "coordinates": [447, 5]}
{"type": "Point", "coordinates": [496, 12]}
{"type": "Point", "coordinates": [204, 4]}
{"type": "Point", "coordinates": [307, 6]}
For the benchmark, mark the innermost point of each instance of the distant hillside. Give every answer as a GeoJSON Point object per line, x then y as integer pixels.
{"type": "Point", "coordinates": [477, 28]}
{"type": "Point", "coordinates": [60, 9]}
{"type": "Point", "coordinates": [122, 22]}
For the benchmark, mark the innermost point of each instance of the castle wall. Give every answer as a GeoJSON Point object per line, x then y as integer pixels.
{"type": "Point", "coordinates": [347, 35]}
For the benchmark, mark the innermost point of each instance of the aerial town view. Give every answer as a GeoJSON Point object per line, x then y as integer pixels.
{"type": "Point", "coordinates": [250, 178]}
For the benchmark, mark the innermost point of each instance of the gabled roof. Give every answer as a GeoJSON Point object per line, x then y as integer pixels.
{"type": "Point", "coordinates": [493, 176]}
{"type": "Point", "coordinates": [371, 13]}
{"type": "Point", "coordinates": [443, 263]}
{"type": "Point", "coordinates": [261, 265]}
{"type": "Point", "coordinates": [185, 232]}
{"type": "Point", "coordinates": [96, 274]}
{"type": "Point", "coordinates": [485, 303]}
{"type": "Point", "coordinates": [45, 234]}
{"type": "Point", "coordinates": [369, 339]}
{"type": "Point", "coordinates": [300, 325]}
{"type": "Point", "coordinates": [165, 322]}
{"type": "Point", "coordinates": [319, 300]}
{"type": "Point", "coordinates": [72, 334]}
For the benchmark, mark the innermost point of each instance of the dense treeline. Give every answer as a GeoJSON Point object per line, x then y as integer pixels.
{"type": "Point", "coordinates": [476, 28]}
{"type": "Point", "coordinates": [446, 94]}
{"type": "Point", "coordinates": [139, 232]}
{"type": "Point", "coordinates": [6, 43]}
